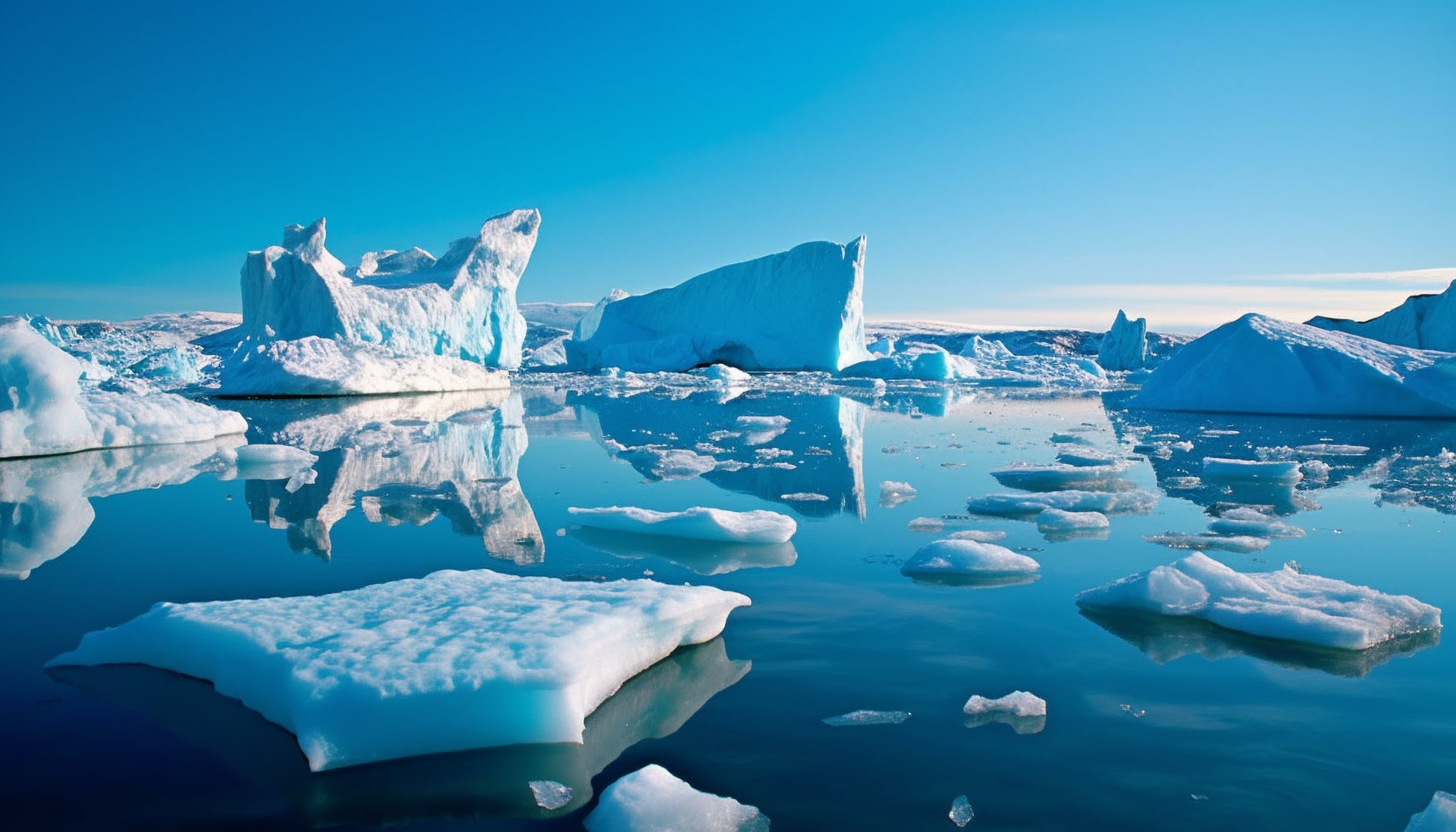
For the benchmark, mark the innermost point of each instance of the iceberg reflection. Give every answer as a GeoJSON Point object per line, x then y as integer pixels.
{"type": "Point", "coordinates": [401, 460]}
{"type": "Point", "coordinates": [45, 502]}
{"type": "Point", "coordinates": [490, 782]}
{"type": "Point", "coordinates": [1165, 638]}
{"type": "Point", "coordinates": [743, 444]}
{"type": "Point", "coordinates": [701, 556]}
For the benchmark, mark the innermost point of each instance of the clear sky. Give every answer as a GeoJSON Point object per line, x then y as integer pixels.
{"type": "Point", "coordinates": [1011, 163]}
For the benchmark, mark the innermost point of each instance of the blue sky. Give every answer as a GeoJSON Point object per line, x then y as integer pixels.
{"type": "Point", "coordinates": [1011, 163]}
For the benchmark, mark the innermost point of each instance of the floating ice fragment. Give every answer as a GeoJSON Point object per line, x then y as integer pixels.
{"type": "Point", "coordinates": [760, 430]}
{"type": "Point", "coordinates": [1058, 477]}
{"type": "Point", "coordinates": [651, 799]}
{"type": "Point", "coordinates": [1024, 712]}
{"type": "Point", "coordinates": [1282, 472]}
{"type": "Point", "coordinates": [804, 497]}
{"type": "Point", "coordinates": [1028, 505]}
{"type": "Point", "coordinates": [961, 812]}
{"type": "Point", "coordinates": [696, 523]}
{"type": "Point", "coordinates": [1135, 714]}
{"type": "Point", "coordinates": [895, 493]}
{"type": "Point", "coordinates": [549, 794]}
{"type": "Point", "coordinates": [867, 718]}
{"type": "Point", "coordinates": [979, 535]}
{"type": "Point", "coordinates": [1208, 542]}
{"type": "Point", "coordinates": [1199, 796]}
{"type": "Point", "coordinates": [451, 661]}
{"type": "Point", "coordinates": [1252, 522]}
{"type": "Point", "coordinates": [1438, 816]}
{"type": "Point", "coordinates": [1283, 605]}
{"type": "Point", "coordinates": [967, 558]}
{"type": "Point", "coordinates": [1057, 524]}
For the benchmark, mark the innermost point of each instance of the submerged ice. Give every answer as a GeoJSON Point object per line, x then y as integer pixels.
{"type": "Point", "coordinates": [452, 661]}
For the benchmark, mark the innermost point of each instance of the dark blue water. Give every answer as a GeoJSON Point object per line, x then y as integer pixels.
{"type": "Point", "coordinates": [1269, 736]}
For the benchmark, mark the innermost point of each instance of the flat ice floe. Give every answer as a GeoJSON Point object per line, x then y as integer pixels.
{"type": "Point", "coordinates": [1031, 505]}
{"type": "Point", "coordinates": [448, 662]}
{"type": "Point", "coordinates": [1251, 522]}
{"type": "Point", "coordinates": [50, 412]}
{"type": "Point", "coordinates": [863, 717]}
{"type": "Point", "coordinates": [696, 523]}
{"type": "Point", "coordinates": [1438, 816]}
{"type": "Point", "coordinates": [802, 309]}
{"type": "Point", "coordinates": [651, 799]}
{"type": "Point", "coordinates": [1125, 346]}
{"type": "Point", "coordinates": [1208, 541]}
{"type": "Point", "coordinates": [1281, 472]}
{"type": "Point", "coordinates": [399, 322]}
{"type": "Point", "coordinates": [1258, 364]}
{"type": "Point", "coordinates": [1056, 524]}
{"type": "Point", "coordinates": [1284, 604]}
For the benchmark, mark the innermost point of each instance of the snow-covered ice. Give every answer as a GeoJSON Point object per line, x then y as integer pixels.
{"type": "Point", "coordinates": [1285, 604]}
{"type": "Point", "coordinates": [1273, 471]}
{"type": "Point", "coordinates": [971, 558]}
{"type": "Point", "coordinates": [1438, 816]}
{"type": "Point", "coordinates": [1209, 541]}
{"type": "Point", "coordinates": [651, 799]}
{"type": "Point", "coordinates": [1061, 477]}
{"type": "Point", "coordinates": [802, 309]}
{"type": "Point", "coordinates": [761, 430]}
{"type": "Point", "coordinates": [893, 493]}
{"type": "Point", "coordinates": [978, 535]}
{"type": "Point", "coordinates": [49, 411]}
{"type": "Point", "coordinates": [1029, 505]}
{"type": "Point", "coordinates": [866, 717]}
{"type": "Point", "coordinates": [696, 523]}
{"type": "Point", "coordinates": [549, 794]}
{"type": "Point", "coordinates": [1258, 364]}
{"type": "Point", "coordinates": [1057, 524]}
{"type": "Point", "coordinates": [1425, 322]}
{"type": "Point", "coordinates": [1125, 346]}
{"type": "Point", "coordinates": [400, 322]}
{"type": "Point", "coordinates": [1016, 703]}
{"type": "Point", "coordinates": [451, 661]}
{"type": "Point", "coordinates": [1251, 522]}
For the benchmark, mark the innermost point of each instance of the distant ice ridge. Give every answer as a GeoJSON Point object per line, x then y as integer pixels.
{"type": "Point", "coordinates": [983, 363]}
{"type": "Point", "coordinates": [651, 799]}
{"type": "Point", "coordinates": [48, 411]}
{"type": "Point", "coordinates": [1439, 816]}
{"type": "Point", "coordinates": [1426, 322]}
{"type": "Point", "coordinates": [1285, 604]}
{"type": "Point", "coordinates": [400, 322]}
{"type": "Point", "coordinates": [696, 523]}
{"type": "Point", "coordinates": [802, 309]}
{"type": "Point", "coordinates": [1258, 364]}
{"type": "Point", "coordinates": [1125, 346]}
{"type": "Point", "coordinates": [451, 661]}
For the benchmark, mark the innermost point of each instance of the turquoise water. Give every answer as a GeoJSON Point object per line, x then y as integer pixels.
{"type": "Point", "coordinates": [1266, 735]}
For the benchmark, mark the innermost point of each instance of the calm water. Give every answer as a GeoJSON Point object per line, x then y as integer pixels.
{"type": "Point", "coordinates": [1266, 735]}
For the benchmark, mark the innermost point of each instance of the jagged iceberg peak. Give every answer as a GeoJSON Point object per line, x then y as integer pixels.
{"type": "Point", "coordinates": [461, 306]}
{"type": "Point", "coordinates": [801, 309]}
{"type": "Point", "coordinates": [1426, 322]}
{"type": "Point", "coordinates": [1125, 346]}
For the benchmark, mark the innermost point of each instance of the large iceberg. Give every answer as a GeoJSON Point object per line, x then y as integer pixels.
{"type": "Point", "coordinates": [1125, 346]}
{"type": "Point", "coordinates": [1285, 604]}
{"type": "Point", "coordinates": [1426, 322]}
{"type": "Point", "coordinates": [651, 799]}
{"type": "Point", "coordinates": [448, 662]}
{"type": "Point", "coordinates": [802, 309]}
{"type": "Point", "coordinates": [46, 410]}
{"type": "Point", "coordinates": [1258, 364]}
{"type": "Point", "coordinates": [400, 322]}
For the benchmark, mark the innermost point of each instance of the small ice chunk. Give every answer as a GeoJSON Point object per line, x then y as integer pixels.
{"type": "Point", "coordinates": [1016, 703]}
{"type": "Point", "coordinates": [1282, 472]}
{"type": "Point", "coordinates": [867, 718]}
{"type": "Point", "coordinates": [696, 523]}
{"type": "Point", "coordinates": [550, 795]}
{"type": "Point", "coordinates": [761, 430]}
{"type": "Point", "coordinates": [926, 524]}
{"type": "Point", "coordinates": [967, 557]}
{"type": "Point", "coordinates": [1315, 470]}
{"type": "Point", "coordinates": [448, 662]}
{"type": "Point", "coordinates": [1285, 604]}
{"type": "Point", "coordinates": [979, 535]}
{"type": "Point", "coordinates": [1206, 542]}
{"type": "Point", "coordinates": [804, 497]}
{"type": "Point", "coordinates": [1252, 523]}
{"type": "Point", "coordinates": [651, 799]}
{"type": "Point", "coordinates": [961, 812]}
{"type": "Point", "coordinates": [1027, 505]}
{"type": "Point", "coordinates": [894, 493]}
{"type": "Point", "coordinates": [670, 463]}
{"type": "Point", "coordinates": [1439, 816]}
{"type": "Point", "coordinates": [1060, 477]}
{"type": "Point", "coordinates": [1054, 522]}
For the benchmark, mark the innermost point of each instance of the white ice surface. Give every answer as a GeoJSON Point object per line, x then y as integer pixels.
{"type": "Point", "coordinates": [1125, 346]}
{"type": "Point", "coordinates": [47, 410]}
{"type": "Point", "coordinates": [651, 799]}
{"type": "Point", "coordinates": [1252, 523]}
{"type": "Point", "coordinates": [1284, 604]}
{"type": "Point", "coordinates": [314, 366]}
{"type": "Point", "coordinates": [1023, 505]}
{"type": "Point", "coordinates": [451, 661]}
{"type": "Point", "coordinates": [1208, 542]}
{"type": "Point", "coordinates": [801, 309]}
{"type": "Point", "coordinates": [1016, 703]}
{"type": "Point", "coordinates": [866, 717]}
{"type": "Point", "coordinates": [1258, 364]}
{"type": "Point", "coordinates": [696, 523]}
{"type": "Point", "coordinates": [1274, 471]}
{"type": "Point", "coordinates": [894, 493]}
{"type": "Point", "coordinates": [1438, 816]}
{"type": "Point", "coordinates": [1425, 322]}
{"type": "Point", "coordinates": [953, 556]}
{"type": "Point", "coordinates": [1062, 477]}
{"type": "Point", "coordinates": [1057, 521]}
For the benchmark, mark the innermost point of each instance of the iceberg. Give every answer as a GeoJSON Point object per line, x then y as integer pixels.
{"type": "Point", "coordinates": [1285, 604]}
{"type": "Point", "coordinates": [400, 460]}
{"type": "Point", "coordinates": [448, 662]}
{"type": "Point", "coordinates": [1438, 816]}
{"type": "Point", "coordinates": [1251, 522]}
{"type": "Point", "coordinates": [802, 309]}
{"type": "Point", "coordinates": [651, 799]}
{"type": "Point", "coordinates": [1125, 346]}
{"type": "Point", "coordinates": [1426, 322]}
{"type": "Point", "coordinates": [1258, 364]}
{"type": "Point", "coordinates": [48, 411]}
{"type": "Point", "coordinates": [399, 322]}
{"type": "Point", "coordinates": [696, 523]}
{"type": "Point", "coordinates": [1209, 541]}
